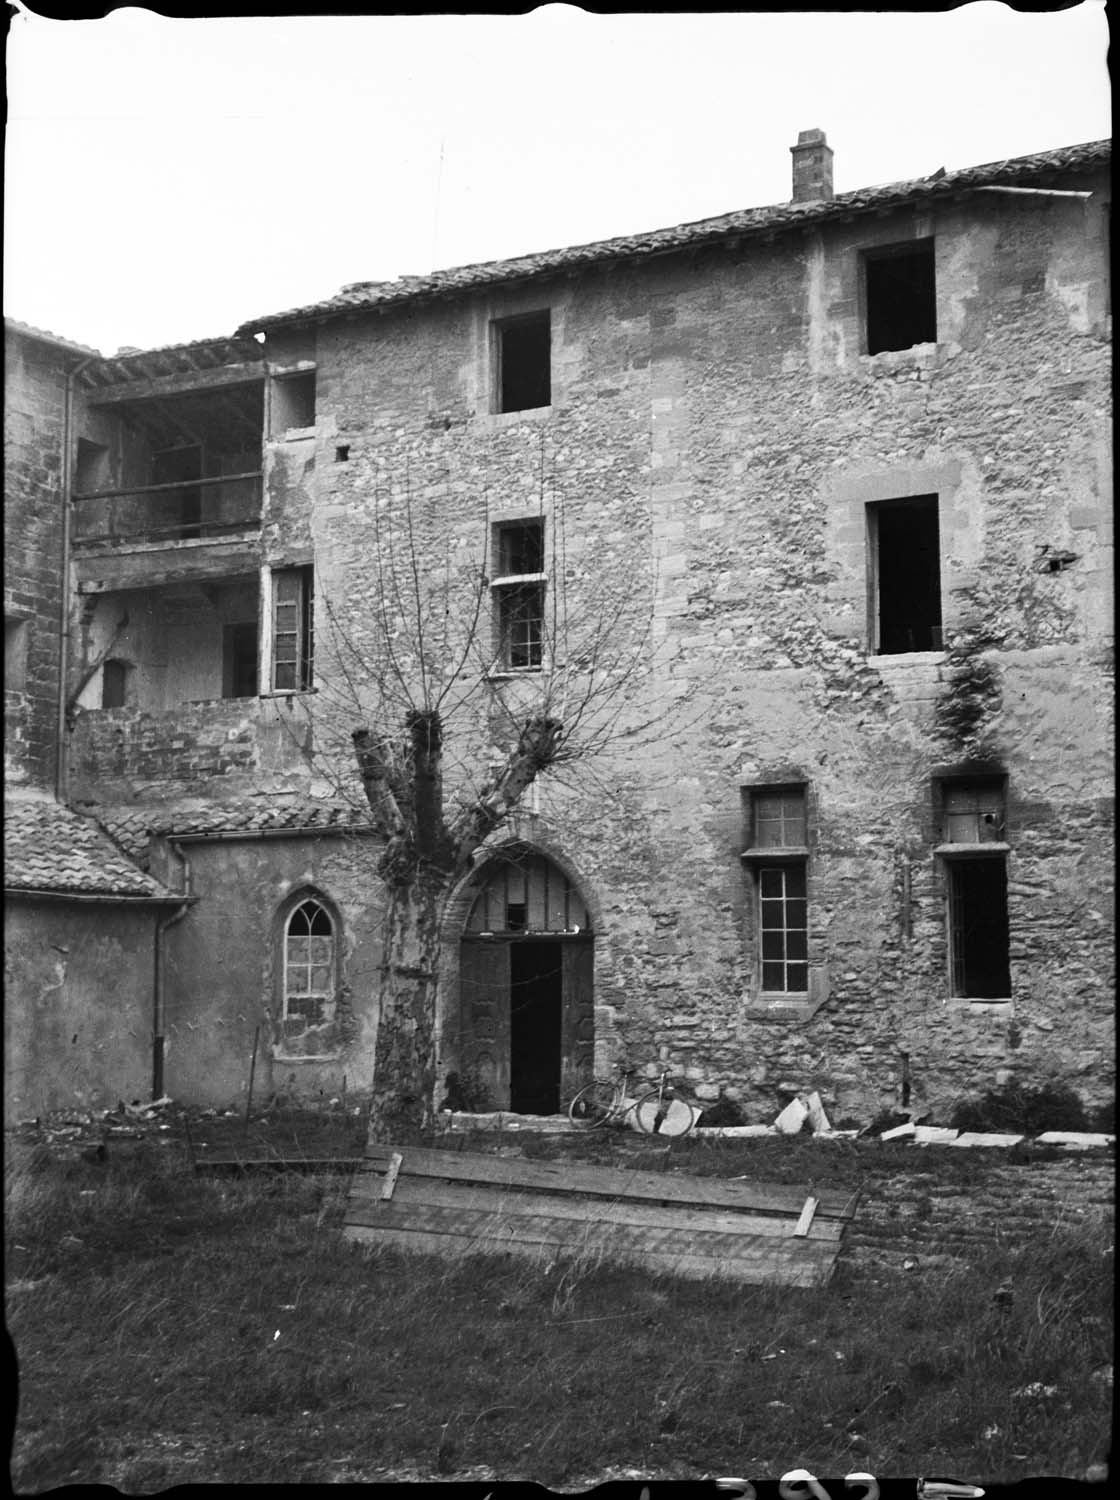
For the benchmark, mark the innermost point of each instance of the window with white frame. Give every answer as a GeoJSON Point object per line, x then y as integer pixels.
{"type": "Point", "coordinates": [777, 852]}
{"type": "Point", "coordinates": [518, 593]}
{"type": "Point", "coordinates": [310, 959]}
{"type": "Point", "coordinates": [292, 629]}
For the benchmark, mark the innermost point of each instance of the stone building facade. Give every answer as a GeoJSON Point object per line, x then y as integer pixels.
{"type": "Point", "coordinates": [828, 483]}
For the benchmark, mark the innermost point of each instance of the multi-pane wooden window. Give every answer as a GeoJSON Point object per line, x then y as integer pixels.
{"type": "Point", "coordinates": [778, 818]}
{"type": "Point", "coordinates": [518, 592]}
{"type": "Point", "coordinates": [777, 850]}
{"type": "Point", "coordinates": [292, 630]}
{"type": "Point", "coordinates": [309, 965]}
{"type": "Point", "coordinates": [783, 928]}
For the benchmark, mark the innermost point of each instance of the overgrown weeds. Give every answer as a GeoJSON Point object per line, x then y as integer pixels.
{"type": "Point", "coordinates": [173, 1329]}
{"type": "Point", "coordinates": [1023, 1108]}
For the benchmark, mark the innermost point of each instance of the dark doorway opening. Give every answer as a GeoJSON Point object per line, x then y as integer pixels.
{"type": "Point", "coordinates": [980, 940]}
{"type": "Point", "coordinates": [535, 1006]}
{"type": "Point", "coordinates": [906, 539]}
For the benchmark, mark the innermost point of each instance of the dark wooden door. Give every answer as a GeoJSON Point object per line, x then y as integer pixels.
{"type": "Point", "coordinates": [484, 1016]}
{"type": "Point", "coordinates": [578, 1016]}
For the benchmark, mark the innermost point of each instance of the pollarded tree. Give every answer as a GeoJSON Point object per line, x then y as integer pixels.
{"type": "Point", "coordinates": [499, 678]}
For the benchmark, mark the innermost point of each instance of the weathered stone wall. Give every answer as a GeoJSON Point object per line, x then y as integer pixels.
{"type": "Point", "coordinates": [34, 402]}
{"type": "Point", "coordinates": [908, 1219]}
{"type": "Point", "coordinates": [714, 417]}
{"type": "Point", "coordinates": [714, 439]}
{"type": "Point", "coordinates": [78, 1018]}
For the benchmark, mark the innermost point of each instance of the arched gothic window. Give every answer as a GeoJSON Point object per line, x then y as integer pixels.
{"type": "Point", "coordinates": [310, 957]}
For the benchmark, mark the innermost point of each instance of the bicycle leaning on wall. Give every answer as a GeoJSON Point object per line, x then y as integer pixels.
{"type": "Point", "coordinates": [659, 1111]}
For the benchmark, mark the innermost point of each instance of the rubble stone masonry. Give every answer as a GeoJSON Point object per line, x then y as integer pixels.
{"type": "Point", "coordinates": [35, 376]}
{"type": "Point", "coordinates": [715, 436]}
{"type": "Point", "coordinates": [704, 470]}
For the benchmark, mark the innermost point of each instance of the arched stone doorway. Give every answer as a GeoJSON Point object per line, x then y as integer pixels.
{"type": "Point", "coordinates": [526, 992]}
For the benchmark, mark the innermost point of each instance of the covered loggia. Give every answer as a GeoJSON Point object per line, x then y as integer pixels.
{"type": "Point", "coordinates": [526, 1018]}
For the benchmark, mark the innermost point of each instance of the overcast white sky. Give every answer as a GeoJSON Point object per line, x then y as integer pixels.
{"type": "Point", "coordinates": [170, 179]}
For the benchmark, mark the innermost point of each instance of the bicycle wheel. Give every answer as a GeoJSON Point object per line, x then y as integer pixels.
{"type": "Point", "coordinates": [593, 1105]}
{"type": "Point", "coordinates": [660, 1113]}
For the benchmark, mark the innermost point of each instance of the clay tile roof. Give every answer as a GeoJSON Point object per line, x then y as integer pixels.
{"type": "Point", "coordinates": [131, 826]}
{"type": "Point", "coordinates": [44, 336]}
{"type": "Point", "coordinates": [361, 296]}
{"type": "Point", "coordinates": [47, 847]}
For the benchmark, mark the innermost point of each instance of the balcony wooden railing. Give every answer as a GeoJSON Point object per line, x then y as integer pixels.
{"type": "Point", "coordinates": [215, 506]}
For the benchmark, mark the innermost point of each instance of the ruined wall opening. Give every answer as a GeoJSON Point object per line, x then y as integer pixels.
{"type": "Point", "coordinates": [901, 298]}
{"type": "Point", "coordinates": [292, 403]}
{"type": "Point", "coordinates": [162, 647]}
{"type": "Point", "coordinates": [170, 469]}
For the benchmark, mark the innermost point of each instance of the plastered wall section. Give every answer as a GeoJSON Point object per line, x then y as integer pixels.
{"type": "Point", "coordinates": [78, 1018]}
{"type": "Point", "coordinates": [715, 435]}
{"type": "Point", "coordinates": [225, 966]}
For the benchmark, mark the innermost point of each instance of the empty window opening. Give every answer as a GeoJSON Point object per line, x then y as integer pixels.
{"type": "Point", "coordinates": [777, 818]}
{"type": "Point", "coordinates": [523, 352]}
{"type": "Point", "coordinates": [309, 967]}
{"type": "Point", "coordinates": [783, 928]}
{"type": "Point", "coordinates": [169, 466]}
{"type": "Point", "coordinates": [342, 453]}
{"type": "Point", "coordinates": [516, 916]}
{"type": "Point", "coordinates": [91, 469]}
{"type": "Point", "coordinates": [239, 660]}
{"type": "Point", "coordinates": [901, 297]}
{"type": "Point", "coordinates": [978, 928]}
{"type": "Point", "coordinates": [292, 403]}
{"type": "Point", "coordinates": [292, 630]}
{"type": "Point", "coordinates": [905, 549]}
{"type": "Point", "coordinates": [114, 683]}
{"type": "Point", "coordinates": [972, 812]}
{"type": "Point", "coordinates": [15, 654]}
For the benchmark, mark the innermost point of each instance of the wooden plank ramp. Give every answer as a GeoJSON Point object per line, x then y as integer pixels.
{"type": "Point", "coordinates": [455, 1202]}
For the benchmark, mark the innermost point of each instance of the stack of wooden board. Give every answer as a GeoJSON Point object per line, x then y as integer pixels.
{"type": "Point", "coordinates": [453, 1202]}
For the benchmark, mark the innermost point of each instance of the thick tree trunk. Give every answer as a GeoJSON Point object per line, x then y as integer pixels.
{"type": "Point", "coordinates": [404, 1074]}
{"type": "Point", "coordinates": [421, 861]}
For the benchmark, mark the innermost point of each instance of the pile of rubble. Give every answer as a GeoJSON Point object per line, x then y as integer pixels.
{"type": "Point", "coordinates": [799, 1113]}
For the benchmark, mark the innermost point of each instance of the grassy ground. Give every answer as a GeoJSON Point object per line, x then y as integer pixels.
{"type": "Point", "coordinates": [173, 1328]}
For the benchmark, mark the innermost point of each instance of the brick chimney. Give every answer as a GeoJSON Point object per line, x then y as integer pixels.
{"type": "Point", "coordinates": [812, 167]}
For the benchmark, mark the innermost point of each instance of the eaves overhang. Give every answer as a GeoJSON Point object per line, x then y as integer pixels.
{"type": "Point", "coordinates": [1043, 169]}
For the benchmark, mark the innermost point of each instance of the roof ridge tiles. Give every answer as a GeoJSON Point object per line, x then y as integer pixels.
{"type": "Point", "coordinates": [360, 296]}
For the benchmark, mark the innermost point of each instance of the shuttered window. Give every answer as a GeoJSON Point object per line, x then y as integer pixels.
{"type": "Point", "coordinates": [292, 630]}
